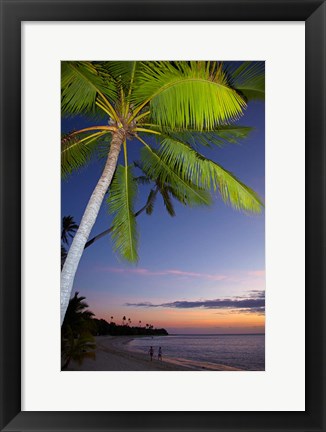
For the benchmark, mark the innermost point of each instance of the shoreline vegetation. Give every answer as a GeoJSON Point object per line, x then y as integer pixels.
{"type": "Point", "coordinates": [113, 353]}
{"type": "Point", "coordinates": [80, 328]}
{"type": "Point", "coordinates": [102, 328]}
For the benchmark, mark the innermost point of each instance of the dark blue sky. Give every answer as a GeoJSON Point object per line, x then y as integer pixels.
{"type": "Point", "coordinates": [200, 254]}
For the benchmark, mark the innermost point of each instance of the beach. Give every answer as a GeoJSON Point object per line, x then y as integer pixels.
{"type": "Point", "coordinates": [113, 354]}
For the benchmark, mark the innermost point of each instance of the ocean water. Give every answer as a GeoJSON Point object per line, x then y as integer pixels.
{"type": "Point", "coordinates": [245, 352]}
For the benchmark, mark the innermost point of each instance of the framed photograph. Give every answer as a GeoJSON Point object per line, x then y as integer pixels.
{"type": "Point", "coordinates": [185, 207]}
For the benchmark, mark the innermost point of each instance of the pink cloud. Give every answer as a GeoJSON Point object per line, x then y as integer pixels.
{"type": "Point", "coordinates": [168, 272]}
{"type": "Point", "coordinates": [137, 271]}
{"type": "Point", "coordinates": [194, 274]}
{"type": "Point", "coordinates": [257, 273]}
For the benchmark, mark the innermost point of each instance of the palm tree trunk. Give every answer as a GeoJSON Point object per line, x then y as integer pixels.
{"type": "Point", "coordinates": [87, 222]}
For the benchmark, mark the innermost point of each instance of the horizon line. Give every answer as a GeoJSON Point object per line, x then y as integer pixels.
{"type": "Point", "coordinates": [215, 334]}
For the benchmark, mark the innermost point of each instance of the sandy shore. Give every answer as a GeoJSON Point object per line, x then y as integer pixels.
{"type": "Point", "coordinates": [112, 354]}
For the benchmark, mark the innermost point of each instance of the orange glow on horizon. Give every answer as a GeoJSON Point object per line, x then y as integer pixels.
{"type": "Point", "coordinates": [187, 318]}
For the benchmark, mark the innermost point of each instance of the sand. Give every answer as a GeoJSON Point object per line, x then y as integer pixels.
{"type": "Point", "coordinates": [112, 354]}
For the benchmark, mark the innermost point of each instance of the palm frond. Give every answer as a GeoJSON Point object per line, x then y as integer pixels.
{"type": "Point", "coordinates": [122, 71]}
{"type": "Point", "coordinates": [186, 94]}
{"type": "Point", "coordinates": [167, 201]}
{"type": "Point", "coordinates": [185, 190]}
{"type": "Point", "coordinates": [249, 79]}
{"type": "Point", "coordinates": [150, 202]}
{"type": "Point", "coordinates": [220, 137]}
{"type": "Point", "coordinates": [77, 150]}
{"type": "Point", "coordinates": [208, 174]}
{"type": "Point", "coordinates": [78, 348]}
{"type": "Point", "coordinates": [143, 180]}
{"type": "Point", "coordinates": [81, 83]}
{"type": "Point", "coordinates": [63, 255]}
{"type": "Point", "coordinates": [69, 228]}
{"type": "Point", "coordinates": [121, 204]}
{"type": "Point", "coordinates": [103, 146]}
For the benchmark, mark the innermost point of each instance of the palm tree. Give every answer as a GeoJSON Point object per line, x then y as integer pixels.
{"type": "Point", "coordinates": [69, 228]}
{"type": "Point", "coordinates": [181, 104]}
{"type": "Point", "coordinates": [77, 342]}
{"type": "Point", "coordinates": [77, 349]}
{"type": "Point", "coordinates": [166, 191]}
{"type": "Point", "coordinates": [78, 317]}
{"type": "Point", "coordinates": [124, 320]}
{"type": "Point", "coordinates": [149, 205]}
{"type": "Point", "coordinates": [63, 255]}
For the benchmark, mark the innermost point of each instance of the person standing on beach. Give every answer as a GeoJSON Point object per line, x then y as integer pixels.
{"type": "Point", "coordinates": [151, 352]}
{"type": "Point", "coordinates": [159, 356]}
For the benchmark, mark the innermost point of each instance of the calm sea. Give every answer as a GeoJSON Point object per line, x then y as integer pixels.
{"type": "Point", "coordinates": [240, 351]}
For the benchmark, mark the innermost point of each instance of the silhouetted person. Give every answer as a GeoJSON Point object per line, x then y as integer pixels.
{"type": "Point", "coordinates": [159, 356]}
{"type": "Point", "coordinates": [151, 352]}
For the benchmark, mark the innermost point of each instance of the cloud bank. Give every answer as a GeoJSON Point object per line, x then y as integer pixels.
{"type": "Point", "coordinates": [254, 303]}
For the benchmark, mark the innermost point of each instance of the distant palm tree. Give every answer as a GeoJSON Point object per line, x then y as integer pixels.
{"type": "Point", "coordinates": [124, 320]}
{"type": "Point", "coordinates": [69, 228]}
{"type": "Point", "coordinates": [180, 103]}
{"type": "Point", "coordinates": [111, 318]}
{"type": "Point", "coordinates": [139, 323]}
{"type": "Point", "coordinates": [129, 321]}
{"type": "Point", "coordinates": [63, 255]}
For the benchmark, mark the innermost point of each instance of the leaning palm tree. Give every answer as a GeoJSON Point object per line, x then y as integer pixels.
{"type": "Point", "coordinates": [167, 192]}
{"type": "Point", "coordinates": [183, 105]}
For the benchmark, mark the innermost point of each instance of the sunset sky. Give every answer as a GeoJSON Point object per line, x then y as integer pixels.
{"type": "Point", "coordinates": [201, 271]}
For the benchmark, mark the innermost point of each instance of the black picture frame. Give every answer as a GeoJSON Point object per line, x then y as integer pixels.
{"type": "Point", "coordinates": [13, 12]}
